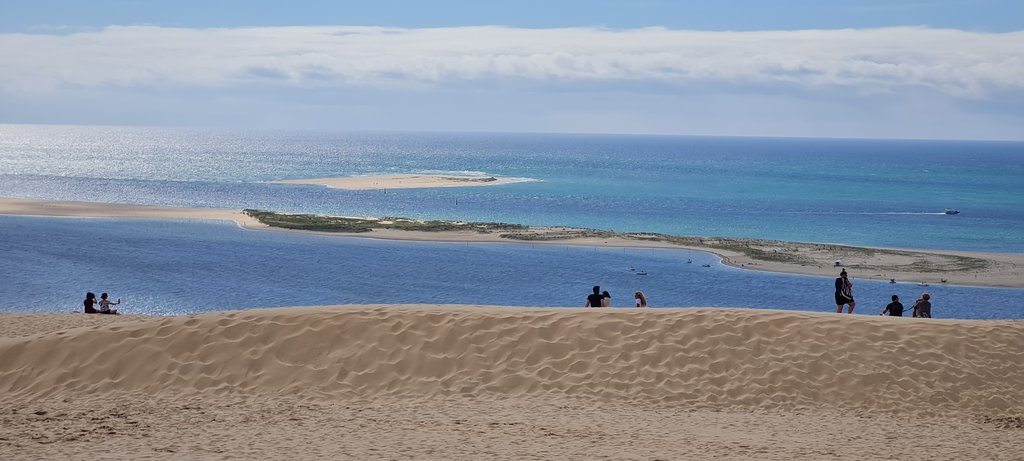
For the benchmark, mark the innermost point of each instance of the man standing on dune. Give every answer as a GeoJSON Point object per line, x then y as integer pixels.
{"type": "Point", "coordinates": [844, 293]}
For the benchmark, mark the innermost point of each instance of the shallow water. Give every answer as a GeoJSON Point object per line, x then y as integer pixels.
{"type": "Point", "coordinates": [182, 267]}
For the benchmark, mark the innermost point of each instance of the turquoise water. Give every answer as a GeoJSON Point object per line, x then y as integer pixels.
{"type": "Point", "coordinates": [866, 192]}
{"type": "Point", "coordinates": [881, 193]}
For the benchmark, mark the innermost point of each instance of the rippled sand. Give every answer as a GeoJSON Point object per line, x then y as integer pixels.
{"type": "Point", "coordinates": [443, 382]}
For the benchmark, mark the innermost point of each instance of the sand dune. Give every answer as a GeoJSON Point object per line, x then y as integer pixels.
{"type": "Point", "coordinates": [729, 358]}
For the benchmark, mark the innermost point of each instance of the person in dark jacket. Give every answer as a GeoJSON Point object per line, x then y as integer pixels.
{"type": "Point", "coordinates": [923, 307]}
{"type": "Point", "coordinates": [844, 293]}
{"type": "Point", "coordinates": [895, 308]}
{"type": "Point", "coordinates": [90, 303]}
{"type": "Point", "coordinates": [596, 299]}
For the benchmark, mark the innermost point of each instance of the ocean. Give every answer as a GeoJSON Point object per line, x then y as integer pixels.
{"type": "Point", "coordinates": [860, 192]}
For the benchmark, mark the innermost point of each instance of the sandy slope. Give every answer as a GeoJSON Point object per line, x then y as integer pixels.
{"type": "Point", "coordinates": [747, 358]}
{"type": "Point", "coordinates": [442, 382]}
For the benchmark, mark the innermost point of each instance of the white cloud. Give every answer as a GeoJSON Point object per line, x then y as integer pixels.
{"type": "Point", "coordinates": [957, 63]}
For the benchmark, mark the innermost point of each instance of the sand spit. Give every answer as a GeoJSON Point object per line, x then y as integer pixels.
{"type": "Point", "coordinates": [403, 181]}
{"type": "Point", "coordinates": [30, 207]}
{"type": "Point", "coordinates": [470, 382]}
{"type": "Point", "coordinates": [1000, 269]}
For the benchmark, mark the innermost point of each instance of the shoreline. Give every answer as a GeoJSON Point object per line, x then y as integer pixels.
{"type": "Point", "coordinates": [402, 181]}
{"type": "Point", "coordinates": [873, 263]}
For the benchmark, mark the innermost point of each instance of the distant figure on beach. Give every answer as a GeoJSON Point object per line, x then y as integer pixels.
{"type": "Point", "coordinates": [923, 307]}
{"type": "Point", "coordinates": [596, 299]}
{"type": "Point", "coordinates": [106, 303]}
{"type": "Point", "coordinates": [844, 293]}
{"type": "Point", "coordinates": [641, 300]}
{"type": "Point", "coordinates": [895, 308]}
{"type": "Point", "coordinates": [90, 301]}
{"type": "Point", "coordinates": [607, 300]}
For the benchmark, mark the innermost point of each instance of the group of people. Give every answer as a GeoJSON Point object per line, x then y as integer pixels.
{"type": "Point", "coordinates": [604, 299]}
{"type": "Point", "coordinates": [922, 307]}
{"type": "Point", "coordinates": [844, 297]}
{"type": "Point", "coordinates": [104, 304]}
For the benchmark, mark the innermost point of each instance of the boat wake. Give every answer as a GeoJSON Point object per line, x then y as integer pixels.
{"type": "Point", "coordinates": [865, 213]}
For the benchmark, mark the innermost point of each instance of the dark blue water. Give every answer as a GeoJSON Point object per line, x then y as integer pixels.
{"type": "Point", "coordinates": [179, 267]}
{"type": "Point", "coordinates": [864, 192]}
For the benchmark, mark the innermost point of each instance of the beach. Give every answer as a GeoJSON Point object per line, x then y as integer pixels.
{"type": "Point", "coordinates": [402, 181]}
{"type": "Point", "coordinates": [443, 382]}
{"type": "Point", "coordinates": [931, 266]}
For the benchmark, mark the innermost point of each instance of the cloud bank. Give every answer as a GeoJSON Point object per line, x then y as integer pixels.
{"type": "Point", "coordinates": [958, 63]}
{"type": "Point", "coordinates": [903, 82]}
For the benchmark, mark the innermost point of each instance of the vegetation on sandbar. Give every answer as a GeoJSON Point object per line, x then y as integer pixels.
{"type": "Point", "coordinates": [342, 224]}
{"type": "Point", "coordinates": [757, 250]}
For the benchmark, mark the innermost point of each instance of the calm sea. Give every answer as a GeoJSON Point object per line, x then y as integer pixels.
{"type": "Point", "coordinates": [882, 193]}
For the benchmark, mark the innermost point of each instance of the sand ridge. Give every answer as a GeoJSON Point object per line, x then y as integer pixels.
{"type": "Point", "coordinates": [739, 358]}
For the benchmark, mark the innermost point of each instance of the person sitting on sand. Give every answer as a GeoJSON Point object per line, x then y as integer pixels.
{"type": "Point", "coordinates": [895, 308]}
{"type": "Point", "coordinates": [844, 293]}
{"type": "Point", "coordinates": [595, 300]}
{"type": "Point", "coordinates": [90, 301]}
{"type": "Point", "coordinates": [641, 300]}
{"type": "Point", "coordinates": [607, 300]}
{"type": "Point", "coordinates": [923, 307]}
{"type": "Point", "coordinates": [106, 303]}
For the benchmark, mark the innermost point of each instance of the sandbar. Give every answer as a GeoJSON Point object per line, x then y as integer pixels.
{"type": "Point", "coordinates": [404, 181]}
{"type": "Point", "coordinates": [904, 265]}
{"type": "Point", "coordinates": [507, 383]}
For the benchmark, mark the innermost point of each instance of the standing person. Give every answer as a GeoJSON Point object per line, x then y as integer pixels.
{"type": "Point", "coordinates": [923, 307]}
{"type": "Point", "coordinates": [895, 308]}
{"type": "Point", "coordinates": [90, 301]}
{"type": "Point", "coordinates": [844, 293]}
{"type": "Point", "coordinates": [106, 303]}
{"type": "Point", "coordinates": [641, 300]}
{"type": "Point", "coordinates": [595, 300]}
{"type": "Point", "coordinates": [607, 301]}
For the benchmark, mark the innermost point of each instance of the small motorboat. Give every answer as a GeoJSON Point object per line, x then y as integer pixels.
{"type": "Point", "coordinates": [951, 211]}
{"type": "Point", "coordinates": [705, 265]}
{"type": "Point", "coordinates": [641, 272]}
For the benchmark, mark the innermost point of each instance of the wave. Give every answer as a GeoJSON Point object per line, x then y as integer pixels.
{"type": "Point", "coordinates": [459, 173]}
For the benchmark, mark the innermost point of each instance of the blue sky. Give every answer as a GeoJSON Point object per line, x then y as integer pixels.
{"type": "Point", "coordinates": [896, 69]}
{"type": "Point", "coordinates": [975, 15]}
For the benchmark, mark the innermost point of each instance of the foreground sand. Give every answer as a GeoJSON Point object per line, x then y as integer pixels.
{"type": "Point", "coordinates": [402, 181]}
{"type": "Point", "coordinates": [1004, 269]}
{"type": "Point", "coordinates": [470, 382]}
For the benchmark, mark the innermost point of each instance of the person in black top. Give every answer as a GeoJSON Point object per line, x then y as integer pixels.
{"type": "Point", "coordinates": [595, 299]}
{"type": "Point", "coordinates": [895, 308]}
{"type": "Point", "coordinates": [923, 307]}
{"type": "Point", "coordinates": [844, 293]}
{"type": "Point", "coordinates": [90, 301]}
